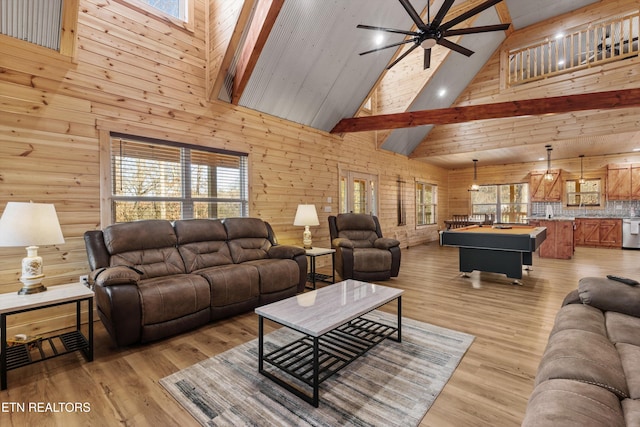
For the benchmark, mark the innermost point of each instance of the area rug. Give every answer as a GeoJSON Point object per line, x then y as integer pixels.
{"type": "Point", "coordinates": [394, 384]}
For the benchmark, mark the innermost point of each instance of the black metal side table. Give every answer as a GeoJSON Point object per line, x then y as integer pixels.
{"type": "Point", "coordinates": [313, 276]}
{"type": "Point", "coordinates": [49, 346]}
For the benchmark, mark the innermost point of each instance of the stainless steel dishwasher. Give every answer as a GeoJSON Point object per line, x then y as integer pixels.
{"type": "Point", "coordinates": [631, 233]}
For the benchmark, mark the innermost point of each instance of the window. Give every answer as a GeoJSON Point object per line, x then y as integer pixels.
{"type": "Point", "coordinates": [179, 13]}
{"type": "Point", "coordinates": [176, 8]}
{"type": "Point", "coordinates": [426, 202]}
{"type": "Point", "coordinates": [49, 26]}
{"type": "Point", "coordinates": [358, 193]}
{"type": "Point", "coordinates": [583, 194]}
{"type": "Point", "coordinates": [154, 179]}
{"type": "Point", "coordinates": [509, 200]}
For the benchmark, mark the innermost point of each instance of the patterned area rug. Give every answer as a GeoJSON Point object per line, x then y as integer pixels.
{"type": "Point", "coordinates": [394, 384]}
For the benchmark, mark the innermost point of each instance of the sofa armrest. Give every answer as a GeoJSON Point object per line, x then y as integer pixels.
{"type": "Point", "coordinates": [119, 275]}
{"type": "Point", "coordinates": [341, 242]}
{"type": "Point", "coordinates": [609, 295]}
{"type": "Point", "coordinates": [285, 251]}
{"type": "Point", "coordinates": [386, 243]}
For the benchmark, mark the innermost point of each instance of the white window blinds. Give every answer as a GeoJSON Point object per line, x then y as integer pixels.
{"type": "Point", "coordinates": [158, 180]}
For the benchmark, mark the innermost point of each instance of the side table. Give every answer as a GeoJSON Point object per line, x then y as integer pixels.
{"type": "Point", "coordinates": [50, 346]}
{"type": "Point", "coordinates": [313, 277]}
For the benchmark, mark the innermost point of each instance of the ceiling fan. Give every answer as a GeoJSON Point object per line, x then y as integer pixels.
{"type": "Point", "coordinates": [434, 32]}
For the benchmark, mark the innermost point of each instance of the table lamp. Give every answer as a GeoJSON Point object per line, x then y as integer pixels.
{"type": "Point", "coordinates": [306, 215]}
{"type": "Point", "coordinates": [30, 224]}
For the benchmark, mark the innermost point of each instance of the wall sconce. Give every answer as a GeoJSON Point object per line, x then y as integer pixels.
{"type": "Point", "coordinates": [581, 180]}
{"type": "Point", "coordinates": [306, 215]}
{"type": "Point", "coordinates": [474, 185]}
{"type": "Point", "coordinates": [548, 176]}
{"type": "Point", "coordinates": [30, 224]}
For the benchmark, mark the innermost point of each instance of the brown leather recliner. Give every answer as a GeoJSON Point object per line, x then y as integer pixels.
{"type": "Point", "coordinates": [362, 253]}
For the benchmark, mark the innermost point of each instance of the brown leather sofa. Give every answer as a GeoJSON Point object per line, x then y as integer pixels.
{"type": "Point", "coordinates": [154, 278]}
{"type": "Point", "coordinates": [590, 371]}
{"type": "Point", "coordinates": [361, 251]}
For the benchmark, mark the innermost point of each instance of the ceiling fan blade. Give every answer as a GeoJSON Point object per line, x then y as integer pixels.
{"type": "Point", "coordinates": [474, 30]}
{"type": "Point", "coordinates": [401, 57]}
{"type": "Point", "coordinates": [413, 14]}
{"type": "Point", "coordinates": [454, 46]}
{"type": "Point", "coordinates": [427, 58]}
{"type": "Point", "coordinates": [469, 14]}
{"type": "Point", "coordinates": [388, 30]}
{"type": "Point", "coordinates": [388, 46]}
{"type": "Point", "coordinates": [442, 13]}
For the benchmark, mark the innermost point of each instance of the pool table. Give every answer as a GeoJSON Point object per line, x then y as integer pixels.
{"type": "Point", "coordinates": [497, 249]}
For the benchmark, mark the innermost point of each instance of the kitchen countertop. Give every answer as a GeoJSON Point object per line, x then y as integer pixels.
{"type": "Point", "coordinates": [553, 218]}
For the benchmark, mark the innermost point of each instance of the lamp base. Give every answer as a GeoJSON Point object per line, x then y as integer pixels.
{"type": "Point", "coordinates": [27, 290]}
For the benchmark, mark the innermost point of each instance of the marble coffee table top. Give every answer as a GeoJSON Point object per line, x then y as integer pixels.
{"type": "Point", "coordinates": [322, 310]}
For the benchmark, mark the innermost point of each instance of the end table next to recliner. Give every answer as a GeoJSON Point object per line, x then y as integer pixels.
{"type": "Point", "coordinates": [314, 276]}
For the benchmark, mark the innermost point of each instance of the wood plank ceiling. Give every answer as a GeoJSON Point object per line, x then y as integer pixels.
{"type": "Point", "coordinates": [298, 60]}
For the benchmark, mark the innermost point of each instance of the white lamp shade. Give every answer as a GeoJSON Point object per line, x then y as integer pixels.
{"type": "Point", "coordinates": [306, 215]}
{"type": "Point", "coordinates": [30, 224]}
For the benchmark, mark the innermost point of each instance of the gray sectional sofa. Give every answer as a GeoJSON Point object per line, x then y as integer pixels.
{"type": "Point", "coordinates": [154, 278]}
{"type": "Point", "coordinates": [590, 371]}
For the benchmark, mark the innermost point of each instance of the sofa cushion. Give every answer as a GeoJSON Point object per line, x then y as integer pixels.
{"type": "Point", "coordinates": [248, 239]}
{"type": "Point", "coordinates": [202, 243]}
{"type": "Point", "coordinates": [610, 295]}
{"type": "Point", "coordinates": [149, 246]}
{"type": "Point", "coordinates": [139, 235]}
{"type": "Point", "coordinates": [360, 229]}
{"type": "Point", "coordinates": [579, 316]}
{"type": "Point", "coordinates": [630, 358]}
{"type": "Point", "coordinates": [168, 298]}
{"type": "Point", "coordinates": [231, 284]}
{"type": "Point", "coordinates": [276, 274]}
{"type": "Point", "coordinates": [622, 328]}
{"type": "Point", "coordinates": [631, 410]}
{"type": "Point", "coordinates": [371, 259]}
{"type": "Point", "coordinates": [567, 403]}
{"type": "Point", "coordinates": [583, 356]}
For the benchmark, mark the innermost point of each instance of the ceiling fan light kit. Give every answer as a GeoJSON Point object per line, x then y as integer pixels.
{"type": "Point", "coordinates": [434, 32]}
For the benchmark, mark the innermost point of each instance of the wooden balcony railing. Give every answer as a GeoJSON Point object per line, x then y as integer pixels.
{"type": "Point", "coordinates": [598, 43]}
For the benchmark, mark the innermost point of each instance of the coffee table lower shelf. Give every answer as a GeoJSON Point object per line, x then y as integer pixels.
{"type": "Point", "coordinates": [312, 360]}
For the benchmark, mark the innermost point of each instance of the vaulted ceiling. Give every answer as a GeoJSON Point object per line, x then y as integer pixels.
{"type": "Point", "coordinates": [299, 60]}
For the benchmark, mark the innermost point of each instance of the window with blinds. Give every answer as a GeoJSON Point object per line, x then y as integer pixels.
{"type": "Point", "coordinates": [154, 179]}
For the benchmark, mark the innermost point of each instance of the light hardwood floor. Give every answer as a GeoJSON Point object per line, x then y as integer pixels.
{"type": "Point", "coordinates": [490, 387]}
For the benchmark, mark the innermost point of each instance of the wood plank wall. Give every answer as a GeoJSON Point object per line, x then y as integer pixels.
{"type": "Point", "coordinates": [139, 75]}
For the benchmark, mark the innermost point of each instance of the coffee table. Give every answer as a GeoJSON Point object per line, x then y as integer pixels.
{"type": "Point", "coordinates": [334, 331]}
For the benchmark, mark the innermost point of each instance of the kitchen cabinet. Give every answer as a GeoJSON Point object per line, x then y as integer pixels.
{"type": "Point", "coordinates": [619, 181]}
{"type": "Point", "coordinates": [598, 232]}
{"type": "Point", "coordinates": [559, 242]}
{"type": "Point", "coordinates": [623, 181]}
{"type": "Point", "coordinates": [543, 190]}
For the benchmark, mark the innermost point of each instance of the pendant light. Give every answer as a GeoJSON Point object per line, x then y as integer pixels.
{"type": "Point", "coordinates": [474, 185]}
{"type": "Point", "coordinates": [581, 180]}
{"type": "Point", "coordinates": [548, 176]}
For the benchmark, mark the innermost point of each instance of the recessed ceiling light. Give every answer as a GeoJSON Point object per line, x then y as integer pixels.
{"type": "Point", "coordinates": [379, 39]}
{"type": "Point", "coordinates": [540, 159]}
{"type": "Point", "coordinates": [442, 92]}
{"type": "Point", "coordinates": [636, 149]}
{"type": "Point", "coordinates": [561, 62]}
{"type": "Point", "coordinates": [559, 36]}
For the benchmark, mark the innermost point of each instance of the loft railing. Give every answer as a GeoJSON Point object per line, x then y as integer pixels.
{"type": "Point", "coordinates": [595, 44]}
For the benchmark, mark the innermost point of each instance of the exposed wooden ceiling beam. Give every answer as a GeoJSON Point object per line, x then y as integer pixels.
{"type": "Point", "coordinates": [219, 60]}
{"type": "Point", "coordinates": [526, 107]}
{"type": "Point", "coordinates": [263, 20]}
